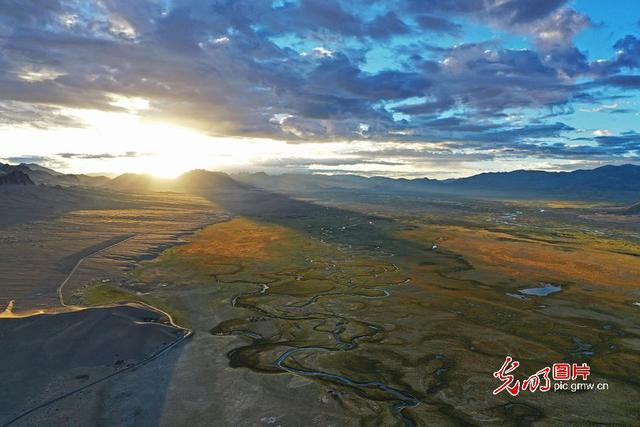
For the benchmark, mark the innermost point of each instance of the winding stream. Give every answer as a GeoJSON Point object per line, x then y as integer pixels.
{"type": "Point", "coordinates": [403, 399]}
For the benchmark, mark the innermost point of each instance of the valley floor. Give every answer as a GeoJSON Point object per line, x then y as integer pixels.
{"type": "Point", "coordinates": [367, 310]}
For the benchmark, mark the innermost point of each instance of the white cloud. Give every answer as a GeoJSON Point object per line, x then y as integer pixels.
{"type": "Point", "coordinates": [130, 103]}
{"type": "Point", "coordinates": [319, 52]}
{"type": "Point", "coordinates": [222, 40]}
{"type": "Point", "coordinates": [38, 75]}
{"type": "Point", "coordinates": [599, 108]}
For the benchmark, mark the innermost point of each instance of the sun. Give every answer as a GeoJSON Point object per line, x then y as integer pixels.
{"type": "Point", "coordinates": [165, 150]}
{"type": "Point", "coordinates": [171, 152]}
{"type": "Point", "coordinates": [113, 143]}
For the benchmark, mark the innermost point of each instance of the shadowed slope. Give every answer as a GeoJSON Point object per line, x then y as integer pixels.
{"type": "Point", "coordinates": [66, 351]}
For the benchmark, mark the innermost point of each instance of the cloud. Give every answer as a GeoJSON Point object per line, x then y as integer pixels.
{"type": "Point", "coordinates": [27, 159]}
{"type": "Point", "coordinates": [47, 161]}
{"type": "Point", "coordinates": [627, 140]}
{"type": "Point", "coordinates": [35, 115]}
{"type": "Point", "coordinates": [387, 25]}
{"type": "Point", "coordinates": [520, 9]}
{"type": "Point", "coordinates": [30, 12]}
{"type": "Point", "coordinates": [439, 25]}
{"type": "Point", "coordinates": [627, 55]}
{"type": "Point", "coordinates": [500, 13]}
{"type": "Point", "coordinates": [315, 70]}
{"type": "Point", "coordinates": [99, 156]}
{"type": "Point", "coordinates": [554, 40]}
{"type": "Point", "coordinates": [296, 162]}
{"type": "Point", "coordinates": [620, 81]}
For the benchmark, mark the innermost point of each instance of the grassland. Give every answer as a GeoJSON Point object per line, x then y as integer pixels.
{"type": "Point", "coordinates": [575, 258]}
{"type": "Point", "coordinates": [101, 294]}
{"type": "Point", "coordinates": [37, 256]}
{"type": "Point", "coordinates": [404, 332]}
{"type": "Point", "coordinates": [386, 310]}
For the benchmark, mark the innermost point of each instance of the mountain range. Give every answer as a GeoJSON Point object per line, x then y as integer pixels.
{"type": "Point", "coordinates": [616, 183]}
{"type": "Point", "coordinates": [15, 178]}
{"type": "Point", "coordinates": [603, 183]}
{"type": "Point", "coordinates": [42, 175]}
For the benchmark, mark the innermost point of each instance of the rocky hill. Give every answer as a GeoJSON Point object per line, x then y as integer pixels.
{"type": "Point", "coordinates": [16, 178]}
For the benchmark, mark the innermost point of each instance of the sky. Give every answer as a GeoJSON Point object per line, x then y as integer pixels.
{"type": "Point", "coordinates": [402, 88]}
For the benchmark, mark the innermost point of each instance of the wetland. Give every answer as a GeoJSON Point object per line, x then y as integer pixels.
{"type": "Point", "coordinates": [370, 313]}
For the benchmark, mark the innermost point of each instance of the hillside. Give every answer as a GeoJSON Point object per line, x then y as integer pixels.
{"type": "Point", "coordinates": [136, 182]}
{"type": "Point", "coordinates": [203, 180]}
{"type": "Point", "coordinates": [604, 183]}
{"type": "Point", "coordinates": [15, 178]}
{"type": "Point", "coordinates": [194, 181]}
{"type": "Point", "coordinates": [605, 178]}
{"type": "Point", "coordinates": [42, 175]}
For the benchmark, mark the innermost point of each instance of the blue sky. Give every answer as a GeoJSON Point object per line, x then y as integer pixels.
{"type": "Point", "coordinates": [399, 88]}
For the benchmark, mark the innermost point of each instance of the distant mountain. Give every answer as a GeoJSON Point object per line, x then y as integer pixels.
{"type": "Point", "coordinates": [16, 177]}
{"type": "Point", "coordinates": [605, 178]}
{"type": "Point", "coordinates": [42, 175]}
{"type": "Point", "coordinates": [603, 183]}
{"type": "Point", "coordinates": [37, 167]}
{"type": "Point", "coordinates": [294, 183]}
{"type": "Point", "coordinates": [291, 183]}
{"type": "Point", "coordinates": [135, 182]}
{"type": "Point", "coordinates": [194, 181]}
{"type": "Point", "coordinates": [200, 180]}
{"type": "Point", "coordinates": [607, 182]}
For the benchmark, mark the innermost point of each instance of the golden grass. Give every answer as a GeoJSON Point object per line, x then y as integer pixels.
{"type": "Point", "coordinates": [239, 238]}
{"type": "Point", "coordinates": [227, 251]}
{"type": "Point", "coordinates": [528, 260]}
{"type": "Point", "coordinates": [571, 204]}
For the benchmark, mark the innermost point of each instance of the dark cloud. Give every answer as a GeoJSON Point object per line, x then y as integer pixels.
{"type": "Point", "coordinates": [424, 152]}
{"type": "Point", "coordinates": [438, 25]}
{"type": "Point", "coordinates": [27, 159]}
{"type": "Point", "coordinates": [502, 12]}
{"type": "Point", "coordinates": [99, 156]}
{"type": "Point", "coordinates": [621, 81]}
{"type": "Point", "coordinates": [309, 15]}
{"type": "Point", "coordinates": [621, 111]}
{"type": "Point", "coordinates": [491, 80]}
{"type": "Point", "coordinates": [436, 106]}
{"type": "Point", "coordinates": [627, 56]}
{"type": "Point", "coordinates": [626, 140]}
{"type": "Point", "coordinates": [387, 25]}
{"type": "Point", "coordinates": [25, 12]}
{"type": "Point", "coordinates": [46, 161]}
{"type": "Point", "coordinates": [339, 72]}
{"type": "Point", "coordinates": [628, 52]}
{"type": "Point", "coordinates": [465, 135]}
{"type": "Point", "coordinates": [519, 11]}
{"type": "Point", "coordinates": [303, 162]}
{"type": "Point", "coordinates": [38, 116]}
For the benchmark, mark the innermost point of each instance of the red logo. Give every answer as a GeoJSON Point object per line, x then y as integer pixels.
{"type": "Point", "coordinates": [540, 381]}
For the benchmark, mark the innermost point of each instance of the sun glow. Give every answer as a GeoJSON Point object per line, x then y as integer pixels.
{"type": "Point", "coordinates": [112, 143]}
{"type": "Point", "coordinates": [115, 143]}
